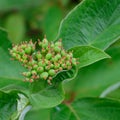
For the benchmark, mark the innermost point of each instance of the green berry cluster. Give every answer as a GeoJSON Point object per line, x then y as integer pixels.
{"type": "Point", "coordinates": [43, 59]}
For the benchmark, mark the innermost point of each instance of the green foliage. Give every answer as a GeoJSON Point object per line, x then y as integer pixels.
{"type": "Point", "coordinates": [89, 31]}
{"type": "Point", "coordinates": [11, 105]}
{"type": "Point", "coordinates": [88, 109]}
{"type": "Point", "coordinates": [90, 23]}
{"type": "Point", "coordinates": [87, 55]}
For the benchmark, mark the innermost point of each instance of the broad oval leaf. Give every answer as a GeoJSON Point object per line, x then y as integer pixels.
{"type": "Point", "coordinates": [10, 70]}
{"type": "Point", "coordinates": [41, 92]}
{"type": "Point", "coordinates": [94, 79]}
{"type": "Point", "coordinates": [88, 109]}
{"type": "Point", "coordinates": [87, 55]}
{"type": "Point", "coordinates": [92, 22]}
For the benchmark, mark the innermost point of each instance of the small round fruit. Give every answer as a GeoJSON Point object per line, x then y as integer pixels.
{"type": "Point", "coordinates": [52, 72]}
{"type": "Point", "coordinates": [57, 49]}
{"type": "Point", "coordinates": [28, 50]}
{"type": "Point", "coordinates": [40, 69]}
{"type": "Point", "coordinates": [58, 56]}
{"type": "Point", "coordinates": [33, 72]}
{"type": "Point", "coordinates": [35, 67]}
{"type": "Point", "coordinates": [63, 53]}
{"type": "Point", "coordinates": [58, 43]}
{"type": "Point", "coordinates": [44, 75]}
{"type": "Point", "coordinates": [48, 56]}
{"type": "Point", "coordinates": [73, 61]}
{"type": "Point", "coordinates": [39, 55]}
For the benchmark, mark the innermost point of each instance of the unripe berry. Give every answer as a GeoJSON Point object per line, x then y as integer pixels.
{"type": "Point", "coordinates": [44, 75]}
{"type": "Point", "coordinates": [47, 67]}
{"type": "Point", "coordinates": [63, 65]}
{"type": "Point", "coordinates": [23, 46]}
{"type": "Point", "coordinates": [56, 66]}
{"type": "Point", "coordinates": [18, 57]}
{"type": "Point", "coordinates": [35, 67]}
{"type": "Point", "coordinates": [51, 66]}
{"type": "Point", "coordinates": [63, 53]}
{"type": "Point", "coordinates": [31, 80]}
{"type": "Point", "coordinates": [33, 72]}
{"type": "Point", "coordinates": [68, 57]}
{"type": "Point", "coordinates": [28, 50]}
{"type": "Point", "coordinates": [51, 72]}
{"type": "Point", "coordinates": [74, 61]}
{"type": "Point", "coordinates": [40, 69]}
{"type": "Point", "coordinates": [14, 55]}
{"type": "Point", "coordinates": [68, 63]}
{"type": "Point", "coordinates": [41, 64]}
{"type": "Point", "coordinates": [44, 43]}
{"type": "Point", "coordinates": [58, 56]}
{"type": "Point", "coordinates": [24, 57]}
{"type": "Point", "coordinates": [48, 56]}
{"type": "Point", "coordinates": [38, 55]}
{"type": "Point", "coordinates": [14, 49]}
{"type": "Point", "coordinates": [57, 49]}
{"type": "Point", "coordinates": [27, 74]}
{"type": "Point", "coordinates": [59, 43]}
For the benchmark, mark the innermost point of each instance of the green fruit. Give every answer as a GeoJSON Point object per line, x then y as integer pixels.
{"type": "Point", "coordinates": [55, 59]}
{"type": "Point", "coordinates": [48, 56]}
{"type": "Point", "coordinates": [68, 57]}
{"type": "Point", "coordinates": [44, 75]}
{"type": "Point", "coordinates": [46, 62]}
{"type": "Point", "coordinates": [33, 72]}
{"type": "Point", "coordinates": [35, 67]}
{"type": "Point", "coordinates": [68, 63]}
{"type": "Point", "coordinates": [58, 56]}
{"type": "Point", "coordinates": [14, 55]}
{"type": "Point", "coordinates": [47, 67]}
{"type": "Point", "coordinates": [74, 61]}
{"type": "Point", "coordinates": [23, 46]}
{"type": "Point", "coordinates": [28, 74]}
{"type": "Point", "coordinates": [33, 62]}
{"type": "Point", "coordinates": [24, 57]}
{"type": "Point", "coordinates": [57, 49]}
{"type": "Point", "coordinates": [41, 64]}
{"type": "Point", "coordinates": [56, 66]}
{"type": "Point", "coordinates": [63, 65]}
{"type": "Point", "coordinates": [51, 66]}
{"type": "Point", "coordinates": [52, 45]}
{"type": "Point", "coordinates": [28, 50]}
{"type": "Point", "coordinates": [14, 49]}
{"type": "Point", "coordinates": [31, 80]}
{"type": "Point", "coordinates": [38, 55]}
{"type": "Point", "coordinates": [58, 43]}
{"type": "Point", "coordinates": [44, 43]}
{"type": "Point", "coordinates": [63, 53]}
{"type": "Point", "coordinates": [40, 69]}
{"type": "Point", "coordinates": [18, 57]}
{"type": "Point", "coordinates": [52, 72]}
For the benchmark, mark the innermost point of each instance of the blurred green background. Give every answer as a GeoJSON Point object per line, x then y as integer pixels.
{"type": "Point", "coordinates": [28, 19]}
